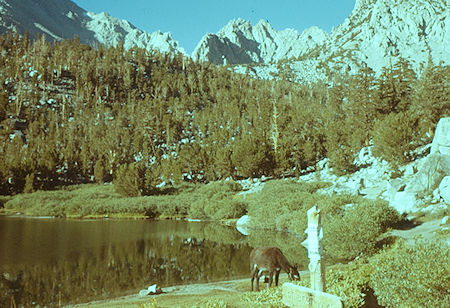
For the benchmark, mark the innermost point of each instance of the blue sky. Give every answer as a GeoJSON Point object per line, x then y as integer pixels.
{"type": "Point", "coordinates": [188, 20]}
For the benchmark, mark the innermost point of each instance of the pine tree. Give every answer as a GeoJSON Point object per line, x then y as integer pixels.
{"type": "Point", "coordinates": [431, 97]}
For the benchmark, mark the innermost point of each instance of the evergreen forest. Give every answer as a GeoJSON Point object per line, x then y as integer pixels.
{"type": "Point", "coordinates": [71, 113]}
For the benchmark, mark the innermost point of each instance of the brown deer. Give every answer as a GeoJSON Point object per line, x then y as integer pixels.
{"type": "Point", "coordinates": [268, 260]}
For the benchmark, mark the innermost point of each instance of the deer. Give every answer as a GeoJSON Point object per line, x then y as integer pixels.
{"type": "Point", "coordinates": [270, 260]}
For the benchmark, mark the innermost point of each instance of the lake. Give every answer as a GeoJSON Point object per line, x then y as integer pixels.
{"type": "Point", "coordinates": [52, 262]}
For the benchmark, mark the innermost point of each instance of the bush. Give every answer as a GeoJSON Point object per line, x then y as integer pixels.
{"type": "Point", "coordinates": [29, 183]}
{"type": "Point", "coordinates": [215, 201]}
{"type": "Point", "coordinates": [413, 276]}
{"type": "Point", "coordinates": [226, 209]}
{"type": "Point", "coordinates": [128, 180]}
{"type": "Point", "coordinates": [134, 180]}
{"type": "Point", "coordinates": [348, 230]}
{"type": "Point", "coordinates": [265, 298]}
{"type": "Point", "coordinates": [350, 283]}
{"type": "Point", "coordinates": [280, 201]}
{"type": "Point", "coordinates": [356, 229]}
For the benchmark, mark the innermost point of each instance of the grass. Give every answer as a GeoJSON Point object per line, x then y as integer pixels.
{"type": "Point", "coordinates": [87, 201]}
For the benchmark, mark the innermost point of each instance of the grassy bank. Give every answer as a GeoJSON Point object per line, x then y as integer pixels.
{"type": "Point", "coordinates": [85, 201]}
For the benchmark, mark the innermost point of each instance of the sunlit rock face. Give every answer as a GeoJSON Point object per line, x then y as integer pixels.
{"type": "Point", "coordinates": [63, 19]}
{"type": "Point", "coordinates": [239, 42]}
{"type": "Point", "coordinates": [377, 34]}
{"type": "Point", "coordinates": [377, 31]}
{"type": "Point", "coordinates": [110, 31]}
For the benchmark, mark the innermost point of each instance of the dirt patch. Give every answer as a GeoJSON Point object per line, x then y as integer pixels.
{"type": "Point", "coordinates": [193, 295]}
{"type": "Point", "coordinates": [183, 296]}
{"type": "Point", "coordinates": [428, 230]}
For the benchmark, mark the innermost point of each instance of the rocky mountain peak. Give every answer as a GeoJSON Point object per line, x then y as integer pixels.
{"type": "Point", "coordinates": [63, 19]}
{"type": "Point", "coordinates": [239, 42]}
{"type": "Point", "coordinates": [377, 34]}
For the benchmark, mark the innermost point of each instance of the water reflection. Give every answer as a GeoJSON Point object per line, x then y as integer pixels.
{"type": "Point", "coordinates": [56, 262]}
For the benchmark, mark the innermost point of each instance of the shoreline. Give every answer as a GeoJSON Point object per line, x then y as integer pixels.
{"type": "Point", "coordinates": [189, 294]}
{"type": "Point", "coordinates": [185, 290]}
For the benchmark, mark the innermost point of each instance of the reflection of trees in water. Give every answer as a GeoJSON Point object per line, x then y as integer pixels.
{"type": "Point", "coordinates": [174, 254]}
{"type": "Point", "coordinates": [110, 270]}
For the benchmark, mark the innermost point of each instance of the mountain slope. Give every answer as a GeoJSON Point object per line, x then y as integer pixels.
{"type": "Point", "coordinates": [56, 19]}
{"type": "Point", "coordinates": [63, 19]}
{"type": "Point", "coordinates": [376, 34]}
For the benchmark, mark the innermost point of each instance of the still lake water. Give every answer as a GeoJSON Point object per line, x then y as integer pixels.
{"type": "Point", "coordinates": [52, 262]}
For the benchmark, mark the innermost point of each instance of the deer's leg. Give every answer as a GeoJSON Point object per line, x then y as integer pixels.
{"type": "Point", "coordinates": [254, 274]}
{"type": "Point", "coordinates": [270, 279]}
{"type": "Point", "coordinates": [258, 275]}
{"type": "Point", "coordinates": [277, 275]}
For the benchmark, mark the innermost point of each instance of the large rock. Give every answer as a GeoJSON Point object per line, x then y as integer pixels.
{"type": "Point", "coordinates": [437, 165]}
{"type": "Point", "coordinates": [433, 170]}
{"type": "Point", "coordinates": [404, 202]}
{"type": "Point", "coordinates": [441, 140]}
{"type": "Point", "coordinates": [444, 189]}
{"type": "Point", "coordinates": [242, 224]}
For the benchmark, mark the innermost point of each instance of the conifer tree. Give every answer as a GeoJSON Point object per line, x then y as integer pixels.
{"type": "Point", "coordinates": [431, 97]}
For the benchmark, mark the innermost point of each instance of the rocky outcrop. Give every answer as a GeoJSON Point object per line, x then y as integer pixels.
{"type": "Point", "coordinates": [444, 189]}
{"type": "Point", "coordinates": [241, 43]}
{"type": "Point", "coordinates": [377, 34]}
{"type": "Point", "coordinates": [441, 140]}
{"type": "Point", "coordinates": [424, 181]}
{"type": "Point", "coordinates": [56, 19]}
{"type": "Point", "coordinates": [436, 166]}
{"type": "Point", "coordinates": [109, 30]}
{"type": "Point", "coordinates": [430, 184]}
{"type": "Point", "coordinates": [430, 174]}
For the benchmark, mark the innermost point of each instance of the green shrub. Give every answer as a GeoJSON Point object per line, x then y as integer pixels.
{"type": "Point", "coordinates": [197, 209]}
{"type": "Point", "coordinates": [413, 275]}
{"type": "Point", "coordinates": [99, 171]}
{"type": "Point", "coordinates": [357, 228]}
{"type": "Point", "coordinates": [279, 201]}
{"type": "Point", "coordinates": [265, 298]}
{"type": "Point", "coordinates": [215, 201]}
{"type": "Point", "coordinates": [128, 180]}
{"type": "Point", "coordinates": [219, 189]}
{"type": "Point", "coordinates": [135, 179]}
{"type": "Point", "coordinates": [348, 231]}
{"type": "Point", "coordinates": [350, 283]}
{"type": "Point", "coordinates": [29, 183]}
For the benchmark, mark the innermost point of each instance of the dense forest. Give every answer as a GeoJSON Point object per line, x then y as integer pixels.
{"type": "Point", "coordinates": [70, 113]}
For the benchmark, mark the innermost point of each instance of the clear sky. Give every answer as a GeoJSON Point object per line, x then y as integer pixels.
{"type": "Point", "coordinates": [189, 20]}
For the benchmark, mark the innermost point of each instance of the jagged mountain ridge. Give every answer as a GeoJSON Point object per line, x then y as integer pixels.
{"type": "Point", "coordinates": [64, 19]}
{"type": "Point", "coordinates": [241, 43]}
{"type": "Point", "coordinates": [379, 32]}
{"type": "Point", "coordinates": [376, 34]}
